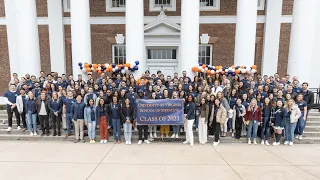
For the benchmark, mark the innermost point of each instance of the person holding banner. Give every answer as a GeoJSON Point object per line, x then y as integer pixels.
{"type": "Point", "coordinates": [142, 127]}
{"type": "Point", "coordinates": [175, 128]}
{"type": "Point", "coordinates": [153, 127]}
{"type": "Point", "coordinates": [203, 120]}
{"type": "Point", "coordinates": [127, 120]}
{"type": "Point", "coordinates": [189, 120]}
{"type": "Point", "coordinates": [218, 117]}
{"type": "Point", "coordinates": [164, 129]}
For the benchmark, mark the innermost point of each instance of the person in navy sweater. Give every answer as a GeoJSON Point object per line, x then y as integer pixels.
{"type": "Point", "coordinates": [189, 120]}
{"type": "Point", "coordinates": [114, 111]}
{"type": "Point", "coordinates": [77, 111]}
{"type": "Point", "coordinates": [55, 106]}
{"type": "Point", "coordinates": [67, 103]}
{"type": "Point", "coordinates": [10, 99]}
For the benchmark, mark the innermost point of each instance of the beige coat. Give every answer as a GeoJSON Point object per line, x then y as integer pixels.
{"type": "Point", "coordinates": [221, 115]}
{"type": "Point", "coordinates": [295, 114]}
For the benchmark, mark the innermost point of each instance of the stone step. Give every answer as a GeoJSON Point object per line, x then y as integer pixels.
{"type": "Point", "coordinates": [311, 133]}
{"type": "Point", "coordinates": [312, 128]}
{"type": "Point", "coordinates": [313, 123]}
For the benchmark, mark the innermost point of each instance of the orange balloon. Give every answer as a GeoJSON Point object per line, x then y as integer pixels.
{"type": "Point", "coordinates": [233, 66]}
{"type": "Point", "coordinates": [208, 72]}
{"type": "Point", "coordinates": [99, 65]}
{"type": "Point", "coordinates": [237, 71]}
{"type": "Point", "coordinates": [99, 72]}
{"type": "Point", "coordinates": [222, 72]}
{"type": "Point", "coordinates": [204, 66]}
{"type": "Point", "coordinates": [86, 65]}
{"type": "Point", "coordinates": [242, 67]}
{"type": "Point", "coordinates": [254, 67]}
{"type": "Point", "coordinates": [88, 69]}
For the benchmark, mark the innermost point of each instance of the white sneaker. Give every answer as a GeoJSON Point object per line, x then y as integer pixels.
{"type": "Point", "coordinates": [286, 143]}
{"type": "Point", "coordinates": [191, 144]}
{"type": "Point", "coordinates": [249, 141]}
{"type": "Point", "coordinates": [139, 142]}
{"type": "Point", "coordinates": [275, 144]}
{"type": "Point", "coordinates": [196, 129]}
{"type": "Point", "coordinates": [177, 136]}
{"type": "Point", "coordinates": [216, 143]}
{"type": "Point", "coordinates": [31, 134]}
{"type": "Point", "coordinates": [297, 136]}
{"type": "Point", "coordinates": [129, 142]}
{"type": "Point", "coordinates": [151, 135]}
{"type": "Point", "coordinates": [146, 141]}
{"type": "Point", "coordinates": [155, 135]}
{"type": "Point", "coordinates": [254, 141]}
{"type": "Point", "coordinates": [105, 141]}
{"type": "Point", "coordinates": [300, 137]}
{"type": "Point", "coordinates": [9, 129]}
{"type": "Point", "coordinates": [18, 128]}
{"type": "Point", "coordinates": [262, 142]}
{"type": "Point", "coordinates": [173, 136]}
{"type": "Point", "coordinates": [291, 144]}
{"type": "Point", "coordinates": [232, 135]}
{"type": "Point", "coordinates": [167, 136]}
{"type": "Point", "coordinates": [101, 142]}
{"type": "Point", "coordinates": [35, 134]}
{"type": "Point", "coordinates": [161, 136]}
{"type": "Point", "coordinates": [185, 142]}
{"type": "Point", "coordinates": [267, 143]}
{"type": "Point", "coordinates": [3, 122]}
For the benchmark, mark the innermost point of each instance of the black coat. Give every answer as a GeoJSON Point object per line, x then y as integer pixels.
{"type": "Point", "coordinates": [123, 114]}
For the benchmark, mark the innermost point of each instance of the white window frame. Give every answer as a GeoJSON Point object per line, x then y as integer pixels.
{"type": "Point", "coordinates": [210, 8]}
{"type": "Point", "coordinates": [109, 7]}
{"type": "Point", "coordinates": [113, 52]}
{"type": "Point", "coordinates": [152, 7]}
{"type": "Point", "coordinates": [66, 3]}
{"type": "Point", "coordinates": [211, 49]}
{"type": "Point", "coordinates": [261, 6]}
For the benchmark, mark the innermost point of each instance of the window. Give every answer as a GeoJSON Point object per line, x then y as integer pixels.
{"type": "Point", "coordinates": [66, 6]}
{"type": "Point", "coordinates": [261, 4]}
{"type": "Point", "coordinates": [119, 54]}
{"type": "Point", "coordinates": [116, 5]}
{"type": "Point", "coordinates": [162, 54]}
{"type": "Point", "coordinates": [209, 5]}
{"type": "Point", "coordinates": [168, 5]}
{"type": "Point", "coordinates": [205, 54]}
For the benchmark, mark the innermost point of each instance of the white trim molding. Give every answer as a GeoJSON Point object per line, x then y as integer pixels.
{"type": "Point", "coordinates": [261, 4]}
{"type": "Point", "coordinates": [66, 6]}
{"type": "Point", "coordinates": [154, 8]}
{"type": "Point", "coordinates": [115, 5]}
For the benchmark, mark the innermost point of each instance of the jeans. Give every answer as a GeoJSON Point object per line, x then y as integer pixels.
{"type": "Point", "coordinates": [188, 125]}
{"type": "Point", "coordinates": [127, 127]}
{"type": "Point", "coordinates": [143, 128]}
{"type": "Point", "coordinates": [300, 125]}
{"type": "Point", "coordinates": [32, 120]}
{"type": "Point", "coordinates": [229, 124]}
{"type": "Point", "coordinates": [23, 119]}
{"type": "Point", "coordinates": [252, 129]}
{"type": "Point", "coordinates": [92, 130]}
{"type": "Point", "coordinates": [289, 130]}
{"type": "Point", "coordinates": [176, 129]}
{"type": "Point", "coordinates": [265, 128]}
{"type": "Point", "coordinates": [152, 128]}
{"type": "Point", "coordinates": [116, 129]}
{"type": "Point", "coordinates": [68, 121]}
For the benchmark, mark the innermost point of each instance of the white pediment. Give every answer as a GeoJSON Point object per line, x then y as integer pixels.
{"type": "Point", "coordinates": [162, 26]}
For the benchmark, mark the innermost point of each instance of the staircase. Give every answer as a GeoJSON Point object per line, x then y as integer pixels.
{"type": "Point", "coordinates": [310, 136]}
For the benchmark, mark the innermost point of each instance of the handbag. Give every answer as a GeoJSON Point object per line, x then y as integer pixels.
{"type": "Point", "coordinates": [230, 113]}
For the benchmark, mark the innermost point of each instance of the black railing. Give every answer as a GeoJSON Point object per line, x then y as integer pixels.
{"type": "Point", "coordinates": [316, 92]}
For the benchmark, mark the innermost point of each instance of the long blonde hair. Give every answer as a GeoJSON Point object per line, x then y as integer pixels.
{"type": "Point", "coordinates": [253, 100]}
{"type": "Point", "coordinates": [287, 106]}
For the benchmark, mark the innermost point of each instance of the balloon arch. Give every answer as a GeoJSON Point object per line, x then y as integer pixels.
{"type": "Point", "coordinates": [232, 70]}
{"type": "Point", "coordinates": [118, 68]}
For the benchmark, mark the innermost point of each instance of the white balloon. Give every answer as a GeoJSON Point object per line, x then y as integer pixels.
{"type": "Point", "coordinates": [92, 69]}
{"type": "Point", "coordinates": [206, 69]}
{"type": "Point", "coordinates": [227, 70]}
{"type": "Point", "coordinates": [248, 70]}
{"type": "Point", "coordinates": [243, 71]}
{"type": "Point", "coordinates": [213, 67]}
{"type": "Point", "coordinates": [116, 68]}
{"type": "Point", "coordinates": [126, 68]}
{"type": "Point", "coordinates": [113, 70]}
{"type": "Point", "coordinates": [202, 70]}
{"type": "Point", "coordinates": [240, 69]}
{"type": "Point", "coordinates": [106, 65]}
{"type": "Point", "coordinates": [99, 68]}
{"type": "Point", "coordinates": [233, 70]}
{"type": "Point", "coordinates": [84, 70]}
{"type": "Point", "coordinates": [123, 71]}
{"type": "Point", "coordinates": [132, 65]}
{"type": "Point", "coordinates": [212, 71]}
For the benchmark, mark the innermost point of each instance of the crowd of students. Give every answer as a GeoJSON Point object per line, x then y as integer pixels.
{"type": "Point", "coordinates": [251, 106]}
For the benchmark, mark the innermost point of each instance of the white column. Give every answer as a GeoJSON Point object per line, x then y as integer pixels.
{"type": "Point", "coordinates": [80, 34]}
{"type": "Point", "coordinates": [10, 9]}
{"type": "Point", "coordinates": [245, 32]}
{"type": "Point", "coordinates": [301, 40]}
{"type": "Point", "coordinates": [189, 36]}
{"type": "Point", "coordinates": [28, 37]}
{"type": "Point", "coordinates": [135, 34]}
{"type": "Point", "coordinates": [315, 62]}
{"type": "Point", "coordinates": [56, 36]}
{"type": "Point", "coordinates": [271, 37]}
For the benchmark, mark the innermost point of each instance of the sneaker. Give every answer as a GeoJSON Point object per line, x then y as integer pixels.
{"type": "Point", "coordinates": [297, 136]}
{"type": "Point", "coordinates": [105, 141]}
{"type": "Point", "coordinates": [146, 141]}
{"type": "Point", "coordinates": [109, 127]}
{"type": "Point", "coordinates": [173, 136]}
{"type": "Point", "coordinates": [93, 141]}
{"type": "Point", "coordinates": [9, 129]}
{"type": "Point", "coordinates": [3, 122]}
{"type": "Point", "coordinates": [196, 129]}
{"type": "Point", "coordinates": [262, 142]}
{"type": "Point", "coordinates": [155, 135]}
{"type": "Point", "coordinates": [139, 142]}
{"type": "Point", "coordinates": [254, 141]}
{"type": "Point", "coordinates": [216, 143]}
{"type": "Point", "coordinates": [161, 136]}
{"type": "Point", "coordinates": [151, 135]}
{"type": "Point", "coordinates": [167, 136]}
{"type": "Point", "coordinates": [129, 142]}
{"type": "Point", "coordinates": [35, 134]}
{"type": "Point", "coordinates": [76, 140]}
{"type": "Point", "coordinates": [177, 136]}
{"type": "Point", "coordinates": [286, 143]}
{"type": "Point", "coordinates": [249, 141]}
{"type": "Point", "coordinates": [185, 142]}
{"type": "Point", "coordinates": [83, 141]}
{"type": "Point", "coordinates": [300, 137]}
{"type": "Point", "coordinates": [18, 128]}
{"type": "Point", "coordinates": [275, 144]}
{"type": "Point", "coordinates": [31, 134]}
{"type": "Point", "coordinates": [191, 144]}
{"type": "Point", "coordinates": [101, 142]}
{"type": "Point", "coordinates": [267, 143]}
{"type": "Point", "coordinates": [232, 135]}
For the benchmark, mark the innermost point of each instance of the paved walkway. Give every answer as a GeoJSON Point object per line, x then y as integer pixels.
{"type": "Point", "coordinates": [157, 161]}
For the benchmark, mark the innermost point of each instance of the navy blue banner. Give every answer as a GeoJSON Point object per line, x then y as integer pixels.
{"type": "Point", "coordinates": [160, 112]}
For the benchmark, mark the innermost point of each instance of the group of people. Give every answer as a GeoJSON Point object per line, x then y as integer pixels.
{"type": "Point", "coordinates": [215, 106]}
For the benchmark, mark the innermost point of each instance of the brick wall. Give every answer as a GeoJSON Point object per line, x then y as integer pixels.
{"type": "Point", "coordinates": [42, 8]}
{"type": "Point", "coordinates": [284, 48]}
{"type": "Point", "coordinates": [287, 7]}
{"type": "Point", "coordinates": [44, 48]}
{"type": "Point", "coordinates": [67, 31]}
{"type": "Point", "coordinates": [4, 61]}
{"type": "Point", "coordinates": [2, 9]}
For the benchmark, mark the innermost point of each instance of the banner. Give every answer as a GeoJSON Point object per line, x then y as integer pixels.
{"type": "Point", "coordinates": [160, 112]}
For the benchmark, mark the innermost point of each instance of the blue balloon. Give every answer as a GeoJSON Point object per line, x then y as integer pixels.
{"type": "Point", "coordinates": [80, 64]}
{"type": "Point", "coordinates": [137, 62]}
{"type": "Point", "coordinates": [233, 74]}
{"type": "Point", "coordinates": [238, 67]}
{"type": "Point", "coordinates": [81, 67]}
{"type": "Point", "coordinates": [90, 65]}
{"type": "Point", "coordinates": [113, 65]}
{"type": "Point", "coordinates": [200, 64]}
{"type": "Point", "coordinates": [245, 67]}
{"type": "Point", "coordinates": [122, 67]}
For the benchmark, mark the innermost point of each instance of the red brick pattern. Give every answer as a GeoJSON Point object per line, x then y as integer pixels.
{"type": "Point", "coordinates": [44, 48]}
{"type": "Point", "coordinates": [42, 8]}
{"type": "Point", "coordinates": [4, 61]}
{"type": "Point", "coordinates": [287, 7]}
{"type": "Point", "coordinates": [2, 9]}
{"type": "Point", "coordinates": [284, 49]}
{"type": "Point", "coordinates": [67, 32]}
